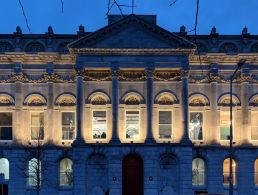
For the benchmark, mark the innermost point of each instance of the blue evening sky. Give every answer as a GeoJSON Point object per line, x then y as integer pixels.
{"type": "Point", "coordinates": [229, 16]}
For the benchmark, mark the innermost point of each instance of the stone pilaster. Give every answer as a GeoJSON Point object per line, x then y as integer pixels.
{"type": "Point", "coordinates": [245, 113]}
{"type": "Point", "coordinates": [149, 137]}
{"type": "Point", "coordinates": [115, 102]}
{"type": "Point", "coordinates": [185, 107]}
{"type": "Point", "coordinates": [214, 133]}
{"type": "Point", "coordinates": [49, 131]}
{"type": "Point", "coordinates": [79, 107]}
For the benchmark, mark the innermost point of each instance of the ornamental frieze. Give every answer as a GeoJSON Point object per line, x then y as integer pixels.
{"type": "Point", "coordinates": [97, 75]}
{"type": "Point", "coordinates": [132, 76]}
{"type": "Point", "coordinates": [167, 76]}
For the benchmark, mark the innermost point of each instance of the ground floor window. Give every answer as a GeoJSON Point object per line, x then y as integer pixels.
{"type": "Point", "coordinates": [66, 172]}
{"type": "Point", "coordinates": [198, 172]}
{"type": "Point", "coordinates": [226, 171]}
{"type": "Point", "coordinates": [132, 124]}
{"type": "Point", "coordinates": [99, 125]}
{"type": "Point", "coordinates": [165, 124]}
{"type": "Point", "coordinates": [4, 168]}
{"type": "Point", "coordinates": [256, 172]}
{"type": "Point", "coordinates": [34, 172]}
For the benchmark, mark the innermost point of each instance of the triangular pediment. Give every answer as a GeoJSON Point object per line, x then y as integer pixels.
{"type": "Point", "coordinates": [132, 32]}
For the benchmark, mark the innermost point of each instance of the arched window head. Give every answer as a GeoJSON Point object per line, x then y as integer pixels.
{"type": "Point", "coordinates": [97, 161]}
{"type": "Point", "coordinates": [98, 100]}
{"type": "Point", "coordinates": [132, 100]}
{"type": "Point", "coordinates": [167, 161]}
{"type": "Point", "coordinates": [198, 172]}
{"type": "Point", "coordinates": [226, 171]}
{"type": "Point", "coordinates": [198, 100]}
{"type": "Point", "coordinates": [254, 100]}
{"type": "Point", "coordinates": [35, 100]}
{"type": "Point", "coordinates": [256, 172]}
{"type": "Point", "coordinates": [228, 48]}
{"type": "Point", "coordinates": [66, 172]}
{"type": "Point", "coordinates": [34, 173]}
{"type": "Point", "coordinates": [34, 47]}
{"type": "Point", "coordinates": [6, 47]}
{"type": "Point", "coordinates": [224, 100]}
{"type": "Point", "coordinates": [4, 169]}
{"type": "Point", "coordinates": [65, 100]}
{"type": "Point", "coordinates": [6, 100]}
{"type": "Point", "coordinates": [165, 100]}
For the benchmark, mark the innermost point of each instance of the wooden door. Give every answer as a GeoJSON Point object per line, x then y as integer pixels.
{"type": "Point", "coordinates": [132, 173]}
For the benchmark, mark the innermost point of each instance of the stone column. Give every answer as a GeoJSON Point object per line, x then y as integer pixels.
{"type": "Point", "coordinates": [149, 71]}
{"type": "Point", "coordinates": [79, 107]}
{"type": "Point", "coordinates": [50, 119]}
{"type": "Point", "coordinates": [245, 113]}
{"type": "Point", "coordinates": [115, 103]}
{"type": "Point", "coordinates": [214, 113]}
{"type": "Point", "coordinates": [184, 106]}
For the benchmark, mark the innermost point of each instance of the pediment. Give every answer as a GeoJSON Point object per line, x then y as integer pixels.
{"type": "Point", "coordinates": [132, 32]}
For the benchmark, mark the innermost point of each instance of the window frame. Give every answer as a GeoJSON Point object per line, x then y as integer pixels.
{"type": "Point", "coordinates": [72, 184]}
{"type": "Point", "coordinates": [251, 126]}
{"type": "Point", "coordinates": [1, 140]}
{"type": "Point", "coordinates": [61, 125]}
{"type": "Point", "coordinates": [205, 173]}
{"type": "Point", "coordinates": [234, 172]}
{"type": "Point", "coordinates": [29, 177]}
{"type": "Point", "coordinates": [203, 124]}
{"type": "Point", "coordinates": [139, 134]}
{"type": "Point", "coordinates": [92, 111]}
{"type": "Point", "coordinates": [233, 124]}
{"type": "Point", "coordinates": [30, 130]}
{"type": "Point", "coordinates": [172, 123]}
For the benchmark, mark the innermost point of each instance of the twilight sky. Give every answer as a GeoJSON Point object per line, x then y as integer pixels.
{"type": "Point", "coordinates": [229, 16]}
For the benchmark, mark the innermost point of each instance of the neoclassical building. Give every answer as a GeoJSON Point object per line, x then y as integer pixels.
{"type": "Point", "coordinates": [129, 109]}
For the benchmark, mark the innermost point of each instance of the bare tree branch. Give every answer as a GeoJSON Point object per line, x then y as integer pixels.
{"type": "Point", "coordinates": [24, 15]}
{"type": "Point", "coordinates": [174, 2]}
{"type": "Point", "coordinates": [62, 6]}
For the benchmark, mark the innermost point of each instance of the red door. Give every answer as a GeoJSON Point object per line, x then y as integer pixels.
{"type": "Point", "coordinates": [132, 183]}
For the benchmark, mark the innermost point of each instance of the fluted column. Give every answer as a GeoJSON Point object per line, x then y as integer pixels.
{"type": "Point", "coordinates": [184, 106]}
{"type": "Point", "coordinates": [149, 71]}
{"type": "Point", "coordinates": [115, 137]}
{"type": "Point", "coordinates": [79, 107]}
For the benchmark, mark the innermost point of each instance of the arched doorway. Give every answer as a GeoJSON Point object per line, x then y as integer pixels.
{"type": "Point", "coordinates": [132, 172]}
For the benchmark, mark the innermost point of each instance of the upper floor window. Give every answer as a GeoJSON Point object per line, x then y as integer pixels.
{"type": "Point", "coordinates": [256, 172]}
{"type": "Point", "coordinates": [224, 125]}
{"type": "Point", "coordinates": [99, 124]}
{"type": "Point", "coordinates": [66, 172]}
{"type": "Point", "coordinates": [198, 172]}
{"type": "Point", "coordinates": [132, 124]}
{"type": "Point", "coordinates": [68, 125]}
{"type": "Point", "coordinates": [165, 124]}
{"type": "Point", "coordinates": [6, 129]}
{"type": "Point", "coordinates": [254, 125]}
{"type": "Point", "coordinates": [34, 173]}
{"type": "Point", "coordinates": [4, 168]}
{"type": "Point", "coordinates": [37, 125]}
{"type": "Point", "coordinates": [226, 171]}
{"type": "Point", "coordinates": [196, 126]}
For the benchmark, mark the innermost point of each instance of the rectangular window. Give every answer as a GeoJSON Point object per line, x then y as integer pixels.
{"type": "Point", "coordinates": [37, 125]}
{"type": "Point", "coordinates": [224, 125]}
{"type": "Point", "coordinates": [6, 129]}
{"type": "Point", "coordinates": [68, 125]}
{"type": "Point", "coordinates": [254, 126]}
{"type": "Point", "coordinates": [165, 124]}
{"type": "Point", "coordinates": [196, 126]}
{"type": "Point", "coordinates": [132, 124]}
{"type": "Point", "coordinates": [99, 125]}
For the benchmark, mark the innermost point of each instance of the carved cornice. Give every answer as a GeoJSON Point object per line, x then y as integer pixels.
{"type": "Point", "coordinates": [97, 75]}
{"type": "Point", "coordinates": [132, 75]}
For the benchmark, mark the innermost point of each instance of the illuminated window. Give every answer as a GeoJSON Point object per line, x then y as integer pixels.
{"type": "Point", "coordinates": [37, 125]}
{"type": "Point", "coordinates": [198, 172]}
{"type": "Point", "coordinates": [99, 125]}
{"type": "Point", "coordinates": [224, 125]}
{"type": "Point", "coordinates": [6, 128]}
{"type": "Point", "coordinates": [68, 125]}
{"type": "Point", "coordinates": [165, 124]}
{"type": "Point", "coordinates": [256, 172]}
{"type": "Point", "coordinates": [196, 126]}
{"type": "Point", "coordinates": [254, 126]}
{"type": "Point", "coordinates": [132, 124]}
{"type": "Point", "coordinates": [4, 168]}
{"type": "Point", "coordinates": [66, 172]}
{"type": "Point", "coordinates": [34, 172]}
{"type": "Point", "coordinates": [226, 167]}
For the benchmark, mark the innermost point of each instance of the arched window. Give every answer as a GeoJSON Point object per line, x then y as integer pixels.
{"type": "Point", "coordinates": [66, 172]}
{"type": "Point", "coordinates": [256, 172]}
{"type": "Point", "coordinates": [34, 172]}
{"type": "Point", "coordinates": [226, 170]}
{"type": "Point", "coordinates": [198, 172]}
{"type": "Point", "coordinates": [4, 168]}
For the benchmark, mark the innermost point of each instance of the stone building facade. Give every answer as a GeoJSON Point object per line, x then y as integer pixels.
{"type": "Point", "coordinates": [128, 109]}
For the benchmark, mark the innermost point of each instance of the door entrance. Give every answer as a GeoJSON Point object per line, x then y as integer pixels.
{"type": "Point", "coordinates": [132, 173]}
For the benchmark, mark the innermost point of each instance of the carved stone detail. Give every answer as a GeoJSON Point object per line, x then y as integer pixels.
{"type": "Point", "coordinates": [167, 76]}
{"type": "Point", "coordinates": [97, 75]}
{"type": "Point", "coordinates": [165, 100]}
{"type": "Point", "coordinates": [132, 100]}
{"type": "Point", "coordinates": [132, 76]}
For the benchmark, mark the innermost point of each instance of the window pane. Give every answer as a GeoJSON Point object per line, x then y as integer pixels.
{"type": "Point", "coordinates": [224, 133]}
{"type": "Point", "coordinates": [4, 168]}
{"type": "Point", "coordinates": [34, 170]}
{"type": "Point", "coordinates": [99, 127]}
{"type": "Point", "coordinates": [165, 124]}
{"type": "Point", "coordinates": [254, 133]}
{"type": "Point", "coordinates": [6, 126]}
{"type": "Point", "coordinates": [37, 125]}
{"type": "Point", "coordinates": [256, 172]}
{"type": "Point", "coordinates": [226, 167]}
{"type": "Point", "coordinates": [132, 124]}
{"type": "Point", "coordinates": [195, 126]}
{"type": "Point", "coordinates": [198, 172]}
{"type": "Point", "coordinates": [68, 125]}
{"type": "Point", "coordinates": [66, 172]}
{"type": "Point", "coordinates": [224, 125]}
{"type": "Point", "coordinates": [254, 125]}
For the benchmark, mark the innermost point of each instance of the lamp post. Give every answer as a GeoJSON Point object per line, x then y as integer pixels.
{"type": "Point", "coordinates": [239, 66]}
